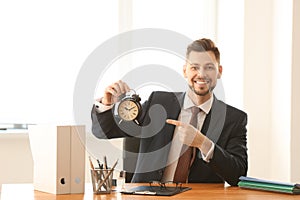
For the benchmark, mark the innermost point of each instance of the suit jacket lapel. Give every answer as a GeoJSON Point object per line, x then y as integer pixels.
{"type": "Point", "coordinates": [215, 120]}
{"type": "Point", "coordinates": [178, 103]}
{"type": "Point", "coordinates": [180, 98]}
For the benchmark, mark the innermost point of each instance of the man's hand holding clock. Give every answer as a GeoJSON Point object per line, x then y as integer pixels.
{"type": "Point", "coordinates": [113, 92]}
{"type": "Point", "coordinates": [129, 107]}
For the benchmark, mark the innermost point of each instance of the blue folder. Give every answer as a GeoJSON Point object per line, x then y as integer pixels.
{"type": "Point", "coordinates": [267, 185]}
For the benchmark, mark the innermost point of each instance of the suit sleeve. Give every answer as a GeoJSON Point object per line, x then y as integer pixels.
{"type": "Point", "coordinates": [230, 160]}
{"type": "Point", "coordinates": [105, 125]}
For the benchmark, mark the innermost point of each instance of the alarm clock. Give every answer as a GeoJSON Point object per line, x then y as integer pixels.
{"type": "Point", "coordinates": [129, 108]}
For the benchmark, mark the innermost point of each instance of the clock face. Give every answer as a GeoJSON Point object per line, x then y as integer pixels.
{"type": "Point", "coordinates": [128, 110]}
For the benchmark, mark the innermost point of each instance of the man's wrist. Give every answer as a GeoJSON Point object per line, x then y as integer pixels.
{"type": "Point", "coordinates": [207, 149]}
{"type": "Point", "coordinates": [206, 145]}
{"type": "Point", "coordinates": [104, 102]}
{"type": "Point", "coordinates": [100, 107]}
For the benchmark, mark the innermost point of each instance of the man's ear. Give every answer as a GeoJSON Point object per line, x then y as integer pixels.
{"type": "Point", "coordinates": [184, 71]}
{"type": "Point", "coordinates": [220, 71]}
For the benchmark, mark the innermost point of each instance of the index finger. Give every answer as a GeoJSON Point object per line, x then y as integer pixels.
{"type": "Point", "coordinates": [123, 87]}
{"type": "Point", "coordinates": [174, 122]}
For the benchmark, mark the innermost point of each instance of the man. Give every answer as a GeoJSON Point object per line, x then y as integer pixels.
{"type": "Point", "coordinates": [215, 144]}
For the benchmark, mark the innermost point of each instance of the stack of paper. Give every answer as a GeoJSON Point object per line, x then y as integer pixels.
{"type": "Point", "coordinates": [259, 184]}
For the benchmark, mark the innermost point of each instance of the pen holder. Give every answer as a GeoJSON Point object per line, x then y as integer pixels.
{"type": "Point", "coordinates": [102, 180]}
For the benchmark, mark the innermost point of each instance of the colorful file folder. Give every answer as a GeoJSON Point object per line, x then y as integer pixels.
{"type": "Point", "coordinates": [273, 186]}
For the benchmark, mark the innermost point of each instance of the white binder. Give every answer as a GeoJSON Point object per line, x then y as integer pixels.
{"type": "Point", "coordinates": [59, 158]}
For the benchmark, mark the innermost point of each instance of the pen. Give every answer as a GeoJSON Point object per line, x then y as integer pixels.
{"type": "Point", "coordinates": [105, 172]}
{"type": "Point", "coordinates": [100, 166]}
{"type": "Point", "coordinates": [105, 163]}
{"type": "Point", "coordinates": [102, 174]}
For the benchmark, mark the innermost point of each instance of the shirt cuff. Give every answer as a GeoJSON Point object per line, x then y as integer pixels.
{"type": "Point", "coordinates": [100, 107]}
{"type": "Point", "coordinates": [209, 146]}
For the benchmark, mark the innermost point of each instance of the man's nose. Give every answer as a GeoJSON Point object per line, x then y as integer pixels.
{"type": "Point", "coordinates": [201, 72]}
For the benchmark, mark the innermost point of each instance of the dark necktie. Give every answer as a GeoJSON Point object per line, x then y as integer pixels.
{"type": "Point", "coordinates": [187, 154]}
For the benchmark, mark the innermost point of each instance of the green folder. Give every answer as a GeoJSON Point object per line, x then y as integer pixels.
{"type": "Point", "coordinates": [260, 184]}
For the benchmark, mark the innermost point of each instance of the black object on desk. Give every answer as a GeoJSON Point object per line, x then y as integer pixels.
{"type": "Point", "coordinates": [157, 188]}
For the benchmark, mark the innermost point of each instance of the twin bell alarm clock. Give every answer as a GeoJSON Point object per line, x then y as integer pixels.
{"type": "Point", "coordinates": [129, 107]}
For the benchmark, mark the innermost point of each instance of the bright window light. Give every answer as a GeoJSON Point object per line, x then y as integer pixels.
{"type": "Point", "coordinates": [43, 46]}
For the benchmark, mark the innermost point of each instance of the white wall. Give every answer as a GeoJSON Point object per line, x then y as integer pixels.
{"type": "Point", "coordinates": [16, 159]}
{"type": "Point", "coordinates": [270, 91]}
{"type": "Point", "coordinates": [257, 83]}
{"type": "Point", "coordinates": [281, 67]}
{"type": "Point", "coordinates": [295, 115]}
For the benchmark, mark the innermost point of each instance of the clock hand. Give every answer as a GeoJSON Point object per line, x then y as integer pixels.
{"type": "Point", "coordinates": [131, 108]}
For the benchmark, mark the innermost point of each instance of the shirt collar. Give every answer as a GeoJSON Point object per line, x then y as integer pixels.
{"type": "Point", "coordinates": [205, 107]}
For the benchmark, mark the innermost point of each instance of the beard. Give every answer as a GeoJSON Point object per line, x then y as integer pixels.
{"type": "Point", "coordinates": [202, 93]}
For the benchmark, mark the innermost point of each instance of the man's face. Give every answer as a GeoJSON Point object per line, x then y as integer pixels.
{"type": "Point", "coordinates": [202, 71]}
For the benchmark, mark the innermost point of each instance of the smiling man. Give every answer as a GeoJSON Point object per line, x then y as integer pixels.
{"type": "Point", "coordinates": [203, 139]}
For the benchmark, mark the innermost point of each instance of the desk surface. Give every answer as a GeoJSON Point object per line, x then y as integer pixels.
{"type": "Point", "coordinates": [199, 191]}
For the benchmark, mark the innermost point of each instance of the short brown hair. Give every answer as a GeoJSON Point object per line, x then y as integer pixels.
{"type": "Point", "coordinates": [202, 45]}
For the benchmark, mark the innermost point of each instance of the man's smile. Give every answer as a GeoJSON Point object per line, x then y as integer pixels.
{"type": "Point", "coordinates": [201, 83]}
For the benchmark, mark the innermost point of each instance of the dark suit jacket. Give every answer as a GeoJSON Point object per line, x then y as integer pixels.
{"type": "Point", "coordinates": [224, 125]}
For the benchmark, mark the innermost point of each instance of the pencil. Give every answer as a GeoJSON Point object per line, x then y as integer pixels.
{"type": "Point", "coordinates": [95, 174]}
{"type": "Point", "coordinates": [91, 163]}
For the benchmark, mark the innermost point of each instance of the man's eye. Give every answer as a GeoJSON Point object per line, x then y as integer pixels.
{"type": "Point", "coordinates": [209, 67]}
{"type": "Point", "coordinates": [194, 67]}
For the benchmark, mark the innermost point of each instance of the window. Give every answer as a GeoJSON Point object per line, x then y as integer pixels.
{"type": "Point", "coordinates": [43, 46]}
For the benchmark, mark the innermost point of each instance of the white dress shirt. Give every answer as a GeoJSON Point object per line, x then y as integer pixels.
{"type": "Point", "coordinates": [206, 149]}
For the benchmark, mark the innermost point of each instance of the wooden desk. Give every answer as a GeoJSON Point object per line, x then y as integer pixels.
{"type": "Point", "coordinates": [199, 191]}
